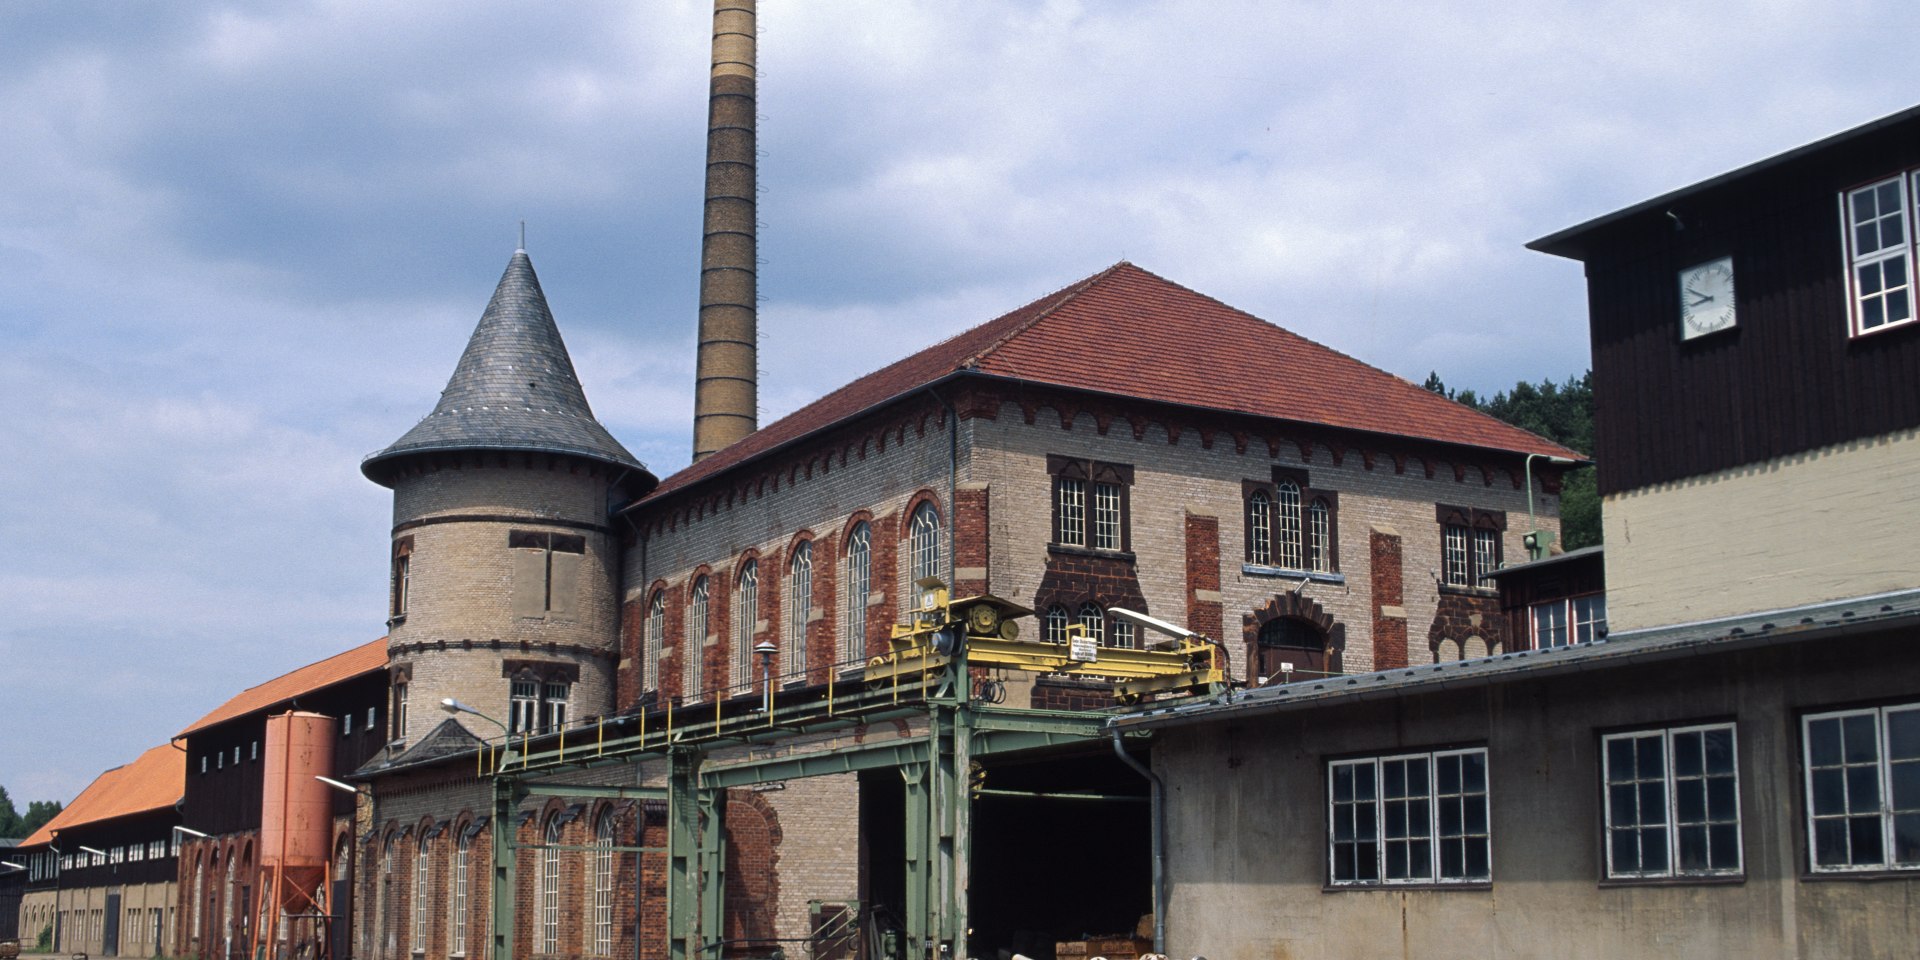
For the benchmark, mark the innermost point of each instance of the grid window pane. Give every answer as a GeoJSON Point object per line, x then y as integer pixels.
{"type": "Point", "coordinates": [853, 627]}
{"type": "Point", "coordinates": [1259, 528]}
{"type": "Point", "coordinates": [746, 610]}
{"type": "Point", "coordinates": [655, 642]}
{"type": "Point", "coordinates": [1056, 624]}
{"type": "Point", "coordinates": [1072, 506]}
{"type": "Point", "coordinates": [1106, 516]}
{"type": "Point", "coordinates": [1453, 561]}
{"type": "Point", "coordinates": [1863, 794]}
{"type": "Point", "coordinates": [925, 543]}
{"type": "Point", "coordinates": [1287, 526]}
{"type": "Point", "coordinates": [1418, 818]}
{"type": "Point", "coordinates": [1549, 624]}
{"type": "Point", "coordinates": [694, 644]}
{"type": "Point", "coordinates": [1094, 621]}
{"type": "Point", "coordinates": [1878, 251]}
{"type": "Point", "coordinates": [1319, 537]}
{"type": "Point", "coordinates": [1486, 556]}
{"type": "Point", "coordinates": [793, 648]}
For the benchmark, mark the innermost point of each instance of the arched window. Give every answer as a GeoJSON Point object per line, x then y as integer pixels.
{"type": "Point", "coordinates": [422, 866]}
{"type": "Point", "coordinates": [386, 922]}
{"type": "Point", "coordinates": [1260, 528]}
{"type": "Point", "coordinates": [550, 888]}
{"type": "Point", "coordinates": [199, 893]}
{"type": "Point", "coordinates": [601, 894]}
{"type": "Point", "coordinates": [1056, 624]}
{"type": "Point", "coordinates": [462, 860]}
{"type": "Point", "coordinates": [1287, 524]}
{"type": "Point", "coordinates": [654, 641]}
{"type": "Point", "coordinates": [746, 607]}
{"type": "Point", "coordinates": [853, 621]}
{"type": "Point", "coordinates": [1094, 621]}
{"type": "Point", "coordinates": [227, 922]}
{"type": "Point", "coordinates": [1319, 537]}
{"type": "Point", "coordinates": [793, 649]}
{"type": "Point", "coordinates": [1290, 649]}
{"type": "Point", "coordinates": [923, 545]}
{"type": "Point", "coordinates": [693, 645]}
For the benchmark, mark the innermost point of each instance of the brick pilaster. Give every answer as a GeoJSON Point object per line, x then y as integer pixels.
{"type": "Point", "coordinates": [1388, 588]}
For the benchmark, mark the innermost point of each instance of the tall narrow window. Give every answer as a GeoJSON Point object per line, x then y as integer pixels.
{"type": "Point", "coordinates": [1122, 634]}
{"type": "Point", "coordinates": [422, 863]}
{"type": "Point", "coordinates": [462, 857]}
{"type": "Point", "coordinates": [1486, 556]}
{"type": "Point", "coordinates": [1259, 528]}
{"type": "Point", "coordinates": [694, 644]}
{"type": "Point", "coordinates": [746, 607]}
{"type": "Point", "coordinates": [1863, 788]}
{"type": "Point", "coordinates": [655, 641]}
{"type": "Point", "coordinates": [602, 892]}
{"type": "Point", "coordinates": [523, 707]}
{"type": "Point", "coordinates": [1106, 516]}
{"type": "Point", "coordinates": [550, 888]}
{"type": "Point", "coordinates": [1319, 537]}
{"type": "Point", "coordinates": [1878, 255]}
{"type": "Point", "coordinates": [558, 703]}
{"type": "Point", "coordinates": [1071, 493]}
{"type": "Point", "coordinates": [924, 544]}
{"type": "Point", "coordinates": [793, 648]}
{"type": "Point", "coordinates": [402, 578]}
{"type": "Point", "coordinates": [1455, 561]}
{"type": "Point", "coordinates": [546, 572]}
{"type": "Point", "coordinates": [1094, 621]}
{"type": "Point", "coordinates": [1287, 525]}
{"type": "Point", "coordinates": [399, 711]}
{"type": "Point", "coordinates": [1057, 621]}
{"type": "Point", "coordinates": [853, 626]}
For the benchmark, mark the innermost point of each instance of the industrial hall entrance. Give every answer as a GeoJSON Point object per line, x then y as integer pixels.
{"type": "Point", "coordinates": [964, 806]}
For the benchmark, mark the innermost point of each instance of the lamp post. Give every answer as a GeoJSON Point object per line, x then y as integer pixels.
{"type": "Point", "coordinates": [1536, 539]}
{"type": "Point", "coordinates": [766, 650]}
{"type": "Point", "coordinates": [451, 705]}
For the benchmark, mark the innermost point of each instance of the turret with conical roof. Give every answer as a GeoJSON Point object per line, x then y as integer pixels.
{"type": "Point", "coordinates": [505, 562]}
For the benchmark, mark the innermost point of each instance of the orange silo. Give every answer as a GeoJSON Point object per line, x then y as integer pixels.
{"type": "Point", "coordinates": [296, 818]}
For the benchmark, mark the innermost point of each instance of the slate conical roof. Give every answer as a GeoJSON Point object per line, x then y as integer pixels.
{"type": "Point", "coordinates": [514, 389]}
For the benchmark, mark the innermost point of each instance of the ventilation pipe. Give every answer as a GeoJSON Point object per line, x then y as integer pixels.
{"type": "Point", "coordinates": [725, 392]}
{"type": "Point", "coordinates": [1158, 814]}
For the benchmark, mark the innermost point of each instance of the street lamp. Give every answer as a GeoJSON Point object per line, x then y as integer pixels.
{"type": "Point", "coordinates": [451, 705]}
{"type": "Point", "coordinates": [1536, 539]}
{"type": "Point", "coordinates": [11, 865]}
{"type": "Point", "coordinates": [191, 832]}
{"type": "Point", "coordinates": [338, 784]}
{"type": "Point", "coordinates": [766, 650]}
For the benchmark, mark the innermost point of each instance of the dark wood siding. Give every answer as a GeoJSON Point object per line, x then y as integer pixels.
{"type": "Point", "coordinates": [1789, 378]}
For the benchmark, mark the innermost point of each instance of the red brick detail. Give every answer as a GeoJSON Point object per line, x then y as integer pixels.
{"type": "Point", "coordinates": [883, 564]}
{"type": "Point", "coordinates": [633, 622]}
{"type": "Point", "coordinates": [753, 871]}
{"type": "Point", "coordinates": [1298, 607]}
{"type": "Point", "coordinates": [1388, 588]}
{"type": "Point", "coordinates": [1071, 693]}
{"type": "Point", "coordinates": [970, 547]}
{"type": "Point", "coordinates": [826, 592]}
{"type": "Point", "coordinates": [1203, 573]}
{"type": "Point", "coordinates": [1454, 621]}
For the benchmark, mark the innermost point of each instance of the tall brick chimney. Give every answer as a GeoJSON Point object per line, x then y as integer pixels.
{"type": "Point", "coordinates": [725, 393]}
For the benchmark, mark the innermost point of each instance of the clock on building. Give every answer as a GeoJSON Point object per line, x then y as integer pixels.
{"type": "Point", "coordinates": [1706, 298]}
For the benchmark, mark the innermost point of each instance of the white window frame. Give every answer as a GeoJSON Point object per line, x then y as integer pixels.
{"type": "Point", "coordinates": [523, 705]}
{"type": "Point", "coordinates": [1071, 495]}
{"type": "Point", "coordinates": [462, 853]}
{"type": "Point", "coordinates": [793, 649]}
{"type": "Point", "coordinates": [1288, 552]}
{"type": "Point", "coordinates": [1570, 620]}
{"type": "Point", "coordinates": [1055, 624]}
{"type": "Point", "coordinates": [550, 888]}
{"type": "Point", "coordinates": [654, 642]}
{"type": "Point", "coordinates": [1456, 559]}
{"type": "Point", "coordinates": [1094, 621]}
{"type": "Point", "coordinates": [746, 610]}
{"type": "Point", "coordinates": [556, 698]}
{"type": "Point", "coordinates": [1373, 810]}
{"type": "Point", "coordinates": [1106, 516]}
{"type": "Point", "coordinates": [923, 543]}
{"type": "Point", "coordinates": [600, 893]}
{"type": "Point", "coordinates": [1319, 536]}
{"type": "Point", "coordinates": [858, 566]}
{"type": "Point", "coordinates": [1882, 765]}
{"type": "Point", "coordinates": [1668, 805]}
{"type": "Point", "coordinates": [699, 621]}
{"type": "Point", "coordinates": [1906, 187]}
{"type": "Point", "coordinates": [422, 869]}
{"type": "Point", "coordinates": [1260, 528]}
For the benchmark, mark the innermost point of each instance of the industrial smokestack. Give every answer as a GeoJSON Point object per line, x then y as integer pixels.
{"type": "Point", "coordinates": [725, 391]}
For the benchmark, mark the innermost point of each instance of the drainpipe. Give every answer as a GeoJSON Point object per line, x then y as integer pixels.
{"type": "Point", "coordinates": [1159, 815]}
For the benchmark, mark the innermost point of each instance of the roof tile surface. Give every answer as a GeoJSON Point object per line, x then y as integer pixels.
{"type": "Point", "coordinates": [362, 659]}
{"type": "Point", "coordinates": [1128, 332]}
{"type": "Point", "coordinates": [153, 781]}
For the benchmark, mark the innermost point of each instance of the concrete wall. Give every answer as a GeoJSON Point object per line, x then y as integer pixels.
{"type": "Point", "coordinates": [83, 918]}
{"type": "Point", "coordinates": [1822, 525]}
{"type": "Point", "coordinates": [1247, 822]}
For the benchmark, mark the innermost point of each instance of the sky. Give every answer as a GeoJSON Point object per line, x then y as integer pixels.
{"type": "Point", "coordinates": [243, 244]}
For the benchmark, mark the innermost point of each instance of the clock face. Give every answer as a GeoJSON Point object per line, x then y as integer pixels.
{"type": "Point", "coordinates": [1706, 298]}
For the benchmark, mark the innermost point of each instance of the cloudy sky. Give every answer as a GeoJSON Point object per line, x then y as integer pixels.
{"type": "Point", "coordinates": [242, 244]}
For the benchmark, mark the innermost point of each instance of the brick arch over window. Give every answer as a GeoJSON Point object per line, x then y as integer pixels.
{"type": "Point", "coordinates": [753, 862]}
{"type": "Point", "coordinates": [1307, 612]}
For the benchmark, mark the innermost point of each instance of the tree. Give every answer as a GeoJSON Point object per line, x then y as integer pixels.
{"type": "Point", "coordinates": [39, 812]}
{"type": "Point", "coordinates": [10, 818]}
{"type": "Point", "coordinates": [1562, 413]}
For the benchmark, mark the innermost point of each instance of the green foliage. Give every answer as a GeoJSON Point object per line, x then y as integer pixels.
{"type": "Point", "coordinates": [38, 813]}
{"type": "Point", "coordinates": [44, 941]}
{"type": "Point", "coordinates": [16, 827]}
{"type": "Point", "coordinates": [9, 817]}
{"type": "Point", "coordinates": [1563, 413]}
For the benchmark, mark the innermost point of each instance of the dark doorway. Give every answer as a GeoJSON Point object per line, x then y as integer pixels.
{"type": "Point", "coordinates": [883, 860]}
{"type": "Point", "coordinates": [110, 933]}
{"type": "Point", "coordinates": [1289, 640]}
{"type": "Point", "coordinates": [1058, 868]}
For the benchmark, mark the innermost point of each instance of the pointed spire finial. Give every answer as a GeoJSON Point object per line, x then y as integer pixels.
{"type": "Point", "coordinates": [523, 238]}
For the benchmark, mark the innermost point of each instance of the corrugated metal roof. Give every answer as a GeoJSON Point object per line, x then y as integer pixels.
{"type": "Point", "coordinates": [1765, 628]}
{"type": "Point", "coordinates": [340, 667]}
{"type": "Point", "coordinates": [154, 781]}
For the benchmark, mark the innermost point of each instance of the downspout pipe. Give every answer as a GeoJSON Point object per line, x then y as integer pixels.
{"type": "Point", "coordinates": [1158, 790]}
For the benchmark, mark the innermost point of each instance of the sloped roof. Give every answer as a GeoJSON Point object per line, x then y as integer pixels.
{"type": "Point", "coordinates": [154, 781]}
{"type": "Point", "coordinates": [362, 659]}
{"type": "Point", "coordinates": [514, 389]}
{"type": "Point", "coordinates": [1128, 332]}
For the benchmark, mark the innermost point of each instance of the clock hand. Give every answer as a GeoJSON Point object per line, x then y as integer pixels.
{"type": "Point", "coordinates": [1702, 298]}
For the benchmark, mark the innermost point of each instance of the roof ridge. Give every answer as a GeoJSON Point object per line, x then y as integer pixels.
{"type": "Point", "coordinates": [1060, 298]}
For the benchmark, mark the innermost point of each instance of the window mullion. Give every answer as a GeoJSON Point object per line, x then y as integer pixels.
{"type": "Point", "coordinates": [1673, 800]}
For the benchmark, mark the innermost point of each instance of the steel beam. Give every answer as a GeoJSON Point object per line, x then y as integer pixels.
{"type": "Point", "coordinates": [683, 825]}
{"type": "Point", "coordinates": [507, 795]}
{"type": "Point", "coordinates": [868, 756]}
{"type": "Point", "coordinates": [548, 788]}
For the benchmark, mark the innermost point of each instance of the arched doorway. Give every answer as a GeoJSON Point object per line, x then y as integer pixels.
{"type": "Point", "coordinates": [1289, 648]}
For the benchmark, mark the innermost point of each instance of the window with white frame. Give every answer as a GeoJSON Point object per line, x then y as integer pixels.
{"type": "Point", "coordinates": [1260, 527]}
{"type": "Point", "coordinates": [1289, 524]}
{"type": "Point", "coordinates": [402, 581]}
{"type": "Point", "coordinates": [1094, 621]}
{"type": "Point", "coordinates": [462, 858]}
{"type": "Point", "coordinates": [1070, 502]}
{"type": "Point", "coordinates": [1286, 515]}
{"type": "Point", "coordinates": [1106, 515]}
{"type": "Point", "coordinates": [550, 888]}
{"type": "Point", "coordinates": [746, 607]}
{"type": "Point", "coordinates": [858, 585]}
{"type": "Point", "coordinates": [1089, 503]}
{"type": "Point", "coordinates": [694, 644]}
{"type": "Point", "coordinates": [1863, 788]}
{"type": "Point", "coordinates": [1470, 545]}
{"type": "Point", "coordinates": [655, 641]}
{"type": "Point", "coordinates": [1056, 624]}
{"type": "Point", "coordinates": [1879, 245]}
{"type": "Point", "coordinates": [558, 697]}
{"type": "Point", "coordinates": [1409, 818]}
{"type": "Point", "coordinates": [923, 545]}
{"type": "Point", "coordinates": [523, 706]}
{"type": "Point", "coordinates": [399, 710]}
{"type": "Point", "coordinates": [1672, 802]}
{"type": "Point", "coordinates": [1122, 634]}
{"type": "Point", "coordinates": [602, 891]}
{"type": "Point", "coordinates": [793, 646]}
{"type": "Point", "coordinates": [1557, 623]}
{"type": "Point", "coordinates": [422, 867]}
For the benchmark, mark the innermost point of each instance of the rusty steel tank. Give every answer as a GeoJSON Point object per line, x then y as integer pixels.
{"type": "Point", "coordinates": [296, 811]}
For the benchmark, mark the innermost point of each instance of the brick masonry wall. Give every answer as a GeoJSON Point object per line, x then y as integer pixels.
{"type": "Point", "coordinates": [1389, 616]}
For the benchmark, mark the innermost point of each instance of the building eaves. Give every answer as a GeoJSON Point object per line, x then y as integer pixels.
{"type": "Point", "coordinates": [280, 691]}
{"type": "Point", "coordinates": [155, 780]}
{"type": "Point", "coordinates": [1571, 242]}
{"type": "Point", "coordinates": [1549, 561]}
{"type": "Point", "coordinates": [1749, 631]}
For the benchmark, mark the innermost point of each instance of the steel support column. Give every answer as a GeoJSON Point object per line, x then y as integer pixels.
{"type": "Point", "coordinates": [507, 794]}
{"type": "Point", "coordinates": [713, 869]}
{"type": "Point", "coordinates": [683, 829]}
{"type": "Point", "coordinates": [919, 860]}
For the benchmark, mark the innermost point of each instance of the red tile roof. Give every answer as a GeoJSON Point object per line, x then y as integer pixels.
{"type": "Point", "coordinates": [155, 781]}
{"type": "Point", "coordinates": [362, 659]}
{"type": "Point", "coordinates": [1156, 340]}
